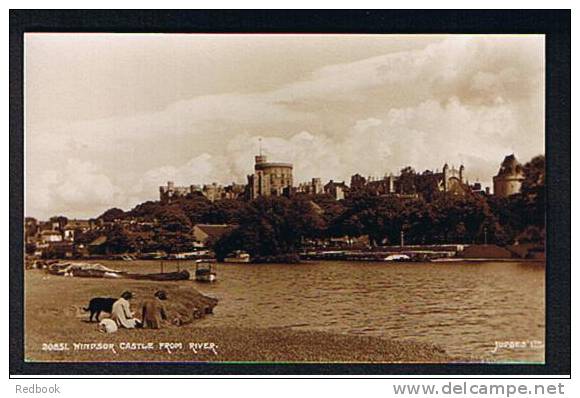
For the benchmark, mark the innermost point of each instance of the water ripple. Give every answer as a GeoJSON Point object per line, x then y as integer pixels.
{"type": "Point", "coordinates": [465, 308]}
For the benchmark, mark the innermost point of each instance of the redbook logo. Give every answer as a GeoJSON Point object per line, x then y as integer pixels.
{"type": "Point", "coordinates": [36, 389]}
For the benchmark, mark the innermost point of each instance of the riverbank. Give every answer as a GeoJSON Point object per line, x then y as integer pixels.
{"type": "Point", "coordinates": [56, 329]}
{"type": "Point", "coordinates": [426, 253]}
{"type": "Point", "coordinates": [230, 344]}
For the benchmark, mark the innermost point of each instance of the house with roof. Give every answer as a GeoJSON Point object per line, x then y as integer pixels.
{"type": "Point", "coordinates": [97, 246]}
{"type": "Point", "coordinates": [74, 227]}
{"type": "Point", "coordinates": [207, 233]}
{"type": "Point", "coordinates": [50, 236]}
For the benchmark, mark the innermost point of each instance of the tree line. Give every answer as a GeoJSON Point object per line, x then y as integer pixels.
{"type": "Point", "coordinates": [273, 226]}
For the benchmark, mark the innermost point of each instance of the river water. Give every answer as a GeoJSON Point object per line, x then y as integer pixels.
{"type": "Point", "coordinates": [463, 307]}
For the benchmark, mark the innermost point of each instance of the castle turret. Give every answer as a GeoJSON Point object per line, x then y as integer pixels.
{"type": "Point", "coordinates": [261, 159]}
{"type": "Point", "coordinates": [166, 192]}
{"type": "Point", "coordinates": [509, 178]}
{"type": "Point", "coordinates": [317, 186]}
{"type": "Point", "coordinates": [270, 178]}
{"type": "Point", "coordinates": [445, 172]}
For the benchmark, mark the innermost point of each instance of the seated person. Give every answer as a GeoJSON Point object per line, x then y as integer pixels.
{"type": "Point", "coordinates": [154, 311]}
{"type": "Point", "coordinates": [122, 314]}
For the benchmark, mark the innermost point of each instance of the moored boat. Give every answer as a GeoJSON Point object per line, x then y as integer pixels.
{"type": "Point", "coordinates": [397, 257]}
{"type": "Point", "coordinates": [238, 256]}
{"type": "Point", "coordinates": [182, 275]}
{"type": "Point", "coordinates": [204, 272]}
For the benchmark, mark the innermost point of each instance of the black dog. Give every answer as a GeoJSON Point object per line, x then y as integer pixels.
{"type": "Point", "coordinates": [100, 304]}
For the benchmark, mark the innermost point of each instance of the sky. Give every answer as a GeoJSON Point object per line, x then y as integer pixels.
{"type": "Point", "coordinates": [111, 117]}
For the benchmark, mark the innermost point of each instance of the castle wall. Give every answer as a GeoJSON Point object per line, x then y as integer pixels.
{"type": "Point", "coordinates": [504, 187]}
{"type": "Point", "coordinates": [212, 192]}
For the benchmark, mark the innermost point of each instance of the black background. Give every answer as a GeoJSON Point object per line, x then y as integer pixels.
{"type": "Point", "coordinates": [555, 24]}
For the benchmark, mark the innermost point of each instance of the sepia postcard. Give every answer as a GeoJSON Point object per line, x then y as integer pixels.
{"type": "Point", "coordinates": [284, 198]}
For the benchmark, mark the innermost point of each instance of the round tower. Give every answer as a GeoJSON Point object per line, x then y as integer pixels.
{"type": "Point", "coordinates": [509, 178]}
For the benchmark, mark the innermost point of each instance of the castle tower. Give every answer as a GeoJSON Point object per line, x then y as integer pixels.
{"type": "Point", "coordinates": [166, 192]}
{"type": "Point", "coordinates": [269, 178]}
{"type": "Point", "coordinates": [391, 183]}
{"type": "Point", "coordinates": [317, 186]}
{"type": "Point", "coordinates": [445, 176]}
{"type": "Point", "coordinates": [509, 178]}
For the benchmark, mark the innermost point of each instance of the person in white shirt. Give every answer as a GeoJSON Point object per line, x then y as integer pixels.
{"type": "Point", "coordinates": [122, 314]}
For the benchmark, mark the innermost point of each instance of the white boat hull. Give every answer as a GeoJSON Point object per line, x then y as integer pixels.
{"type": "Point", "coordinates": [206, 278]}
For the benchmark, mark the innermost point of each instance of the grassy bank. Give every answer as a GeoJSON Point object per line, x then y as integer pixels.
{"type": "Point", "coordinates": [53, 316]}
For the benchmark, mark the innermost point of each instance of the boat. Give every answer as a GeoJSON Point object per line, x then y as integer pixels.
{"type": "Point", "coordinates": [182, 275]}
{"type": "Point", "coordinates": [447, 260]}
{"type": "Point", "coordinates": [127, 257]}
{"type": "Point", "coordinates": [204, 272]}
{"type": "Point", "coordinates": [397, 257]}
{"type": "Point", "coordinates": [84, 270]}
{"type": "Point", "coordinates": [238, 256]}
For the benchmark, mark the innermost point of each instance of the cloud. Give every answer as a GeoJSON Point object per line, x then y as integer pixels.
{"type": "Point", "coordinates": [424, 136]}
{"type": "Point", "coordinates": [470, 99]}
{"type": "Point", "coordinates": [69, 191]}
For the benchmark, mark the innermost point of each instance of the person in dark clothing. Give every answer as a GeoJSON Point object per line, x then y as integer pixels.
{"type": "Point", "coordinates": [154, 311]}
